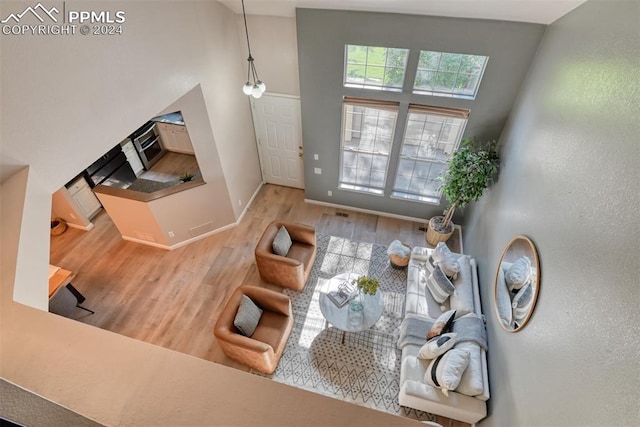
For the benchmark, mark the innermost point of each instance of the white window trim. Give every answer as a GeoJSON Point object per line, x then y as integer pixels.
{"type": "Point", "coordinates": [450, 94]}
{"type": "Point", "coordinates": [382, 87]}
{"type": "Point", "coordinates": [429, 110]}
{"type": "Point", "coordinates": [368, 103]}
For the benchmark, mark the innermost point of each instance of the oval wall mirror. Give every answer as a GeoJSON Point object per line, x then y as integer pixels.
{"type": "Point", "coordinates": [517, 283]}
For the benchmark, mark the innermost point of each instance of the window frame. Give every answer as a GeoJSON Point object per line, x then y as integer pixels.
{"type": "Point", "coordinates": [364, 84]}
{"type": "Point", "coordinates": [452, 93]}
{"type": "Point", "coordinates": [374, 104]}
{"type": "Point", "coordinates": [427, 110]}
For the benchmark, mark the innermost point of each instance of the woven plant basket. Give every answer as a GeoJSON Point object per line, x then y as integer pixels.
{"type": "Point", "coordinates": [398, 261]}
{"type": "Point", "coordinates": [58, 226]}
{"type": "Point", "coordinates": [434, 237]}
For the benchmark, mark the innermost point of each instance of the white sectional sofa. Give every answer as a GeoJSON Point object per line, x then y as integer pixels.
{"type": "Point", "coordinates": [468, 402]}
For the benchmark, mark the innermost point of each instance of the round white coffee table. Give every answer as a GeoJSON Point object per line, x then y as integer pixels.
{"type": "Point", "coordinates": [344, 318]}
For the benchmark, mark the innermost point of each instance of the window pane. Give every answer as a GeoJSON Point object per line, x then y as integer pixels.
{"type": "Point", "coordinates": [449, 74]}
{"type": "Point", "coordinates": [355, 73]}
{"type": "Point", "coordinates": [376, 55]}
{"type": "Point", "coordinates": [374, 67]}
{"type": "Point", "coordinates": [427, 146]}
{"type": "Point", "coordinates": [366, 143]}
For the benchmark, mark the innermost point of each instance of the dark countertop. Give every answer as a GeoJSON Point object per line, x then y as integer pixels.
{"type": "Point", "coordinates": [150, 192]}
{"type": "Point", "coordinates": [171, 118]}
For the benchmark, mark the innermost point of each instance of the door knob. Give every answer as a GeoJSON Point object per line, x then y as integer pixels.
{"type": "Point", "coordinates": [300, 154]}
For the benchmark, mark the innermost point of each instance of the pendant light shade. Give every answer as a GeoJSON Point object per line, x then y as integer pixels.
{"type": "Point", "coordinates": [254, 86]}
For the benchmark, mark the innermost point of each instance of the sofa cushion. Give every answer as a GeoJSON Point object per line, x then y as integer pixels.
{"type": "Point", "coordinates": [518, 274]}
{"type": "Point", "coordinates": [442, 325]}
{"type": "Point", "coordinates": [503, 301]}
{"type": "Point", "coordinates": [462, 299]}
{"type": "Point", "coordinates": [439, 285]}
{"type": "Point", "coordinates": [282, 242]}
{"type": "Point", "coordinates": [437, 346]}
{"type": "Point", "coordinates": [418, 298]}
{"type": "Point", "coordinates": [247, 317]}
{"type": "Point", "coordinates": [445, 372]}
{"type": "Point", "coordinates": [447, 259]}
{"type": "Point", "coordinates": [471, 382]}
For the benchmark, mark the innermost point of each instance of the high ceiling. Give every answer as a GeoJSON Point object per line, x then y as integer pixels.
{"type": "Point", "coordinates": [538, 11]}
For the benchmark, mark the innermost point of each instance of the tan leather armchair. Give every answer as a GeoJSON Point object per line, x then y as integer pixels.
{"type": "Point", "coordinates": [261, 351]}
{"type": "Point", "coordinates": [291, 271]}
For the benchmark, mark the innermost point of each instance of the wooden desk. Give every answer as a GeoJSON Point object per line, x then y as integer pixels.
{"type": "Point", "coordinates": [61, 277]}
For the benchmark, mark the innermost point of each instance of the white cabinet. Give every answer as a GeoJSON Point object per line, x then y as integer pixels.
{"type": "Point", "coordinates": [132, 156]}
{"type": "Point", "coordinates": [175, 138]}
{"type": "Point", "coordinates": [84, 197]}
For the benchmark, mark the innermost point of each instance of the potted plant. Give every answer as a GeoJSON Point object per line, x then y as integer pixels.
{"type": "Point", "coordinates": [471, 169]}
{"type": "Point", "coordinates": [364, 285]}
{"type": "Point", "coordinates": [186, 177]}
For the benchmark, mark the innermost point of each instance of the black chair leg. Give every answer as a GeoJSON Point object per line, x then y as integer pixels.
{"type": "Point", "coordinates": [85, 308]}
{"type": "Point", "coordinates": [77, 293]}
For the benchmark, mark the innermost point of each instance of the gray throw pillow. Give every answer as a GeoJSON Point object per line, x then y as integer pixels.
{"type": "Point", "coordinates": [518, 274]}
{"type": "Point", "coordinates": [522, 302]}
{"type": "Point", "coordinates": [247, 317]}
{"type": "Point", "coordinates": [439, 285]}
{"type": "Point", "coordinates": [282, 242]}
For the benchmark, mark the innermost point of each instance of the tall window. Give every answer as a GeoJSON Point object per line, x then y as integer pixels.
{"type": "Point", "coordinates": [431, 135]}
{"type": "Point", "coordinates": [371, 67]}
{"type": "Point", "coordinates": [449, 74]}
{"type": "Point", "coordinates": [367, 137]}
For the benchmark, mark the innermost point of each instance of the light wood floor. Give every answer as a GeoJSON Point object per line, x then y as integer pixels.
{"type": "Point", "coordinates": [171, 166]}
{"type": "Point", "coordinates": [172, 298]}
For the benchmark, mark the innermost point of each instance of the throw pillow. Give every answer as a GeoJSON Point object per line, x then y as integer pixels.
{"type": "Point", "coordinates": [282, 242]}
{"type": "Point", "coordinates": [247, 317]}
{"type": "Point", "coordinates": [442, 325]}
{"type": "Point", "coordinates": [445, 372]}
{"type": "Point", "coordinates": [439, 285]}
{"type": "Point", "coordinates": [430, 264]}
{"type": "Point", "coordinates": [437, 346]}
{"type": "Point", "coordinates": [503, 301]}
{"type": "Point", "coordinates": [518, 274]}
{"type": "Point", "coordinates": [522, 302]}
{"type": "Point", "coordinates": [447, 260]}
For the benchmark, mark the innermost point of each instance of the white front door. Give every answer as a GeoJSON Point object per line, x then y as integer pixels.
{"type": "Point", "coordinates": [277, 122]}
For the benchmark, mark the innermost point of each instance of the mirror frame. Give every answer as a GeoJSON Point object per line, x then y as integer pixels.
{"type": "Point", "coordinates": [535, 262]}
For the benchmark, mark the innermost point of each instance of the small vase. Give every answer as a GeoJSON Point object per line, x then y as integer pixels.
{"type": "Point", "coordinates": [357, 302]}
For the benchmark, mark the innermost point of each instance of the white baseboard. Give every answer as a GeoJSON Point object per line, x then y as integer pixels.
{"type": "Point", "coordinates": [81, 227]}
{"type": "Point", "coordinates": [244, 211]}
{"type": "Point", "coordinates": [368, 211]}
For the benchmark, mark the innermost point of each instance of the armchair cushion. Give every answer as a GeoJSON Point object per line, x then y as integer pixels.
{"type": "Point", "coordinates": [282, 242]}
{"type": "Point", "coordinates": [247, 317]}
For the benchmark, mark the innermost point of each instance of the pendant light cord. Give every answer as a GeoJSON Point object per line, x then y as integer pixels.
{"type": "Point", "coordinates": [246, 31]}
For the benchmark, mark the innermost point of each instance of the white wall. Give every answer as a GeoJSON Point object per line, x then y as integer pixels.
{"type": "Point", "coordinates": [274, 47]}
{"type": "Point", "coordinates": [569, 181]}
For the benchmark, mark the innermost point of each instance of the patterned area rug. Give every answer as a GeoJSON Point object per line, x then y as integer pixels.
{"type": "Point", "coordinates": [365, 370]}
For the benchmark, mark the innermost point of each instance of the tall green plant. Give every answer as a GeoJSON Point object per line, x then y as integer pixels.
{"type": "Point", "coordinates": [471, 169]}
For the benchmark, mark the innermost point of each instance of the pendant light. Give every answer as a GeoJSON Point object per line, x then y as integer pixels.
{"type": "Point", "coordinates": [254, 86]}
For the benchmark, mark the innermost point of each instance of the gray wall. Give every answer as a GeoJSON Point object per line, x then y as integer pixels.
{"type": "Point", "coordinates": [322, 36]}
{"type": "Point", "coordinates": [570, 181]}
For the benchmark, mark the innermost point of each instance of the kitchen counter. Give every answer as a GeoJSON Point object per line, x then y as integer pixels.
{"type": "Point", "coordinates": [150, 190]}
{"type": "Point", "coordinates": [171, 118]}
